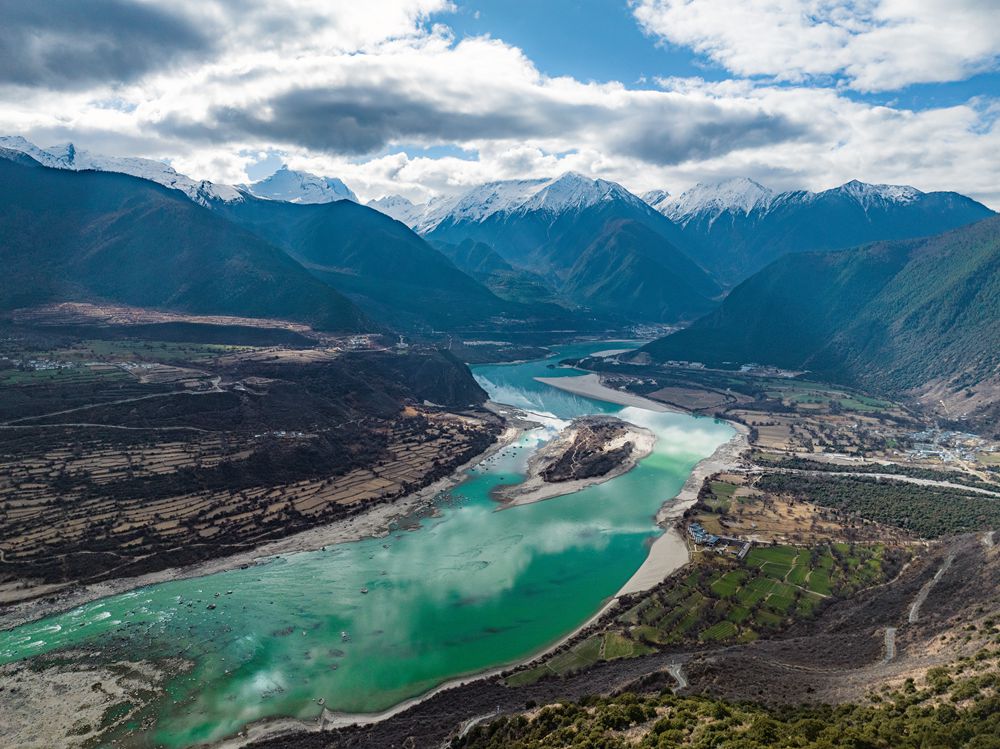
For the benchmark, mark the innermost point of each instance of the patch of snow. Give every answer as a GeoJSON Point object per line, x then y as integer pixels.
{"type": "Point", "coordinates": [867, 195]}
{"type": "Point", "coordinates": [399, 208]}
{"type": "Point", "coordinates": [737, 195]}
{"type": "Point", "coordinates": [656, 199]}
{"type": "Point", "coordinates": [67, 156]}
{"type": "Point", "coordinates": [568, 192]}
{"type": "Point", "coordinates": [301, 187]}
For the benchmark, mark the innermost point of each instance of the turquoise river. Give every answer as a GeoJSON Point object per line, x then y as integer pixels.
{"type": "Point", "coordinates": [470, 590]}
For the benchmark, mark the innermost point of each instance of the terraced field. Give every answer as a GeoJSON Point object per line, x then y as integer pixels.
{"type": "Point", "coordinates": [721, 600]}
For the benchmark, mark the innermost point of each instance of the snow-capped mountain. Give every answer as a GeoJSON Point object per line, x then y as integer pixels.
{"type": "Point", "coordinates": [594, 242]}
{"type": "Point", "coordinates": [739, 195]}
{"type": "Point", "coordinates": [657, 198]}
{"type": "Point", "coordinates": [568, 192]}
{"type": "Point", "coordinates": [67, 156]}
{"type": "Point", "coordinates": [744, 195]}
{"type": "Point", "coordinates": [301, 187]}
{"type": "Point", "coordinates": [868, 196]}
{"type": "Point", "coordinates": [741, 226]}
{"type": "Point", "coordinates": [399, 208]}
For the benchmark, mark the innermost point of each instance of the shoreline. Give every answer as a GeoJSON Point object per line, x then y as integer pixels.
{"type": "Point", "coordinates": [669, 551]}
{"type": "Point", "coordinates": [666, 554]}
{"type": "Point", "coordinates": [535, 489]}
{"type": "Point", "coordinates": [590, 386]}
{"type": "Point", "coordinates": [372, 523]}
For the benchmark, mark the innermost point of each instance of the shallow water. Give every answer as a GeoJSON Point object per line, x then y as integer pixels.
{"type": "Point", "coordinates": [471, 589]}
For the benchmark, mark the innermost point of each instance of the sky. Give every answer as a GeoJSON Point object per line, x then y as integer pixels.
{"type": "Point", "coordinates": [423, 97]}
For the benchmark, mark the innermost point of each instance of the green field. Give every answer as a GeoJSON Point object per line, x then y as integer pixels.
{"type": "Point", "coordinates": [721, 600]}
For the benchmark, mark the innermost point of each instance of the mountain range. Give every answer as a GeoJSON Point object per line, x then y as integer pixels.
{"type": "Point", "coordinates": [541, 251]}
{"type": "Point", "coordinates": [593, 242]}
{"type": "Point", "coordinates": [93, 236]}
{"type": "Point", "coordinates": [915, 316]}
{"type": "Point", "coordinates": [739, 226]}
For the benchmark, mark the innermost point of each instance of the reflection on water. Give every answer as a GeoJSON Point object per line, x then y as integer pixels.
{"type": "Point", "coordinates": [471, 589]}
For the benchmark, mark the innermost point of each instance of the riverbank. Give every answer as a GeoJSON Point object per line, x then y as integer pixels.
{"type": "Point", "coordinates": [372, 523]}
{"type": "Point", "coordinates": [669, 552]}
{"type": "Point", "coordinates": [590, 386]}
{"type": "Point", "coordinates": [535, 487]}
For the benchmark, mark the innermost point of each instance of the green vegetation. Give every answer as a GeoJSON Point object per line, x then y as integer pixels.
{"type": "Point", "coordinates": [958, 706]}
{"type": "Point", "coordinates": [835, 314]}
{"type": "Point", "coordinates": [720, 599]}
{"type": "Point", "coordinates": [805, 464]}
{"type": "Point", "coordinates": [924, 510]}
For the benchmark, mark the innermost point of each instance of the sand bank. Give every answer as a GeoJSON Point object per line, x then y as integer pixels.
{"type": "Point", "coordinates": [589, 386]}
{"type": "Point", "coordinates": [535, 488]}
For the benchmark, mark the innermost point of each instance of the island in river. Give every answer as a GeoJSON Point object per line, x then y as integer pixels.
{"type": "Point", "coordinates": [591, 450]}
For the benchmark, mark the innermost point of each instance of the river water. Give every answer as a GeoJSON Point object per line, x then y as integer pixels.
{"type": "Point", "coordinates": [470, 589]}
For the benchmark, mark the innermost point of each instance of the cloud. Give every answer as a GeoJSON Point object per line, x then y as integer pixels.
{"type": "Point", "coordinates": [331, 87]}
{"type": "Point", "coordinates": [473, 93]}
{"type": "Point", "coordinates": [876, 45]}
{"type": "Point", "coordinates": [73, 43]}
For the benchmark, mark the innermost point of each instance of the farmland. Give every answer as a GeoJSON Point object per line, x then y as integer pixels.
{"type": "Point", "coordinates": [719, 600]}
{"type": "Point", "coordinates": [121, 455]}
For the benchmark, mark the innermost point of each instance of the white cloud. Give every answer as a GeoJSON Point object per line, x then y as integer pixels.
{"type": "Point", "coordinates": [340, 90]}
{"type": "Point", "coordinates": [877, 45]}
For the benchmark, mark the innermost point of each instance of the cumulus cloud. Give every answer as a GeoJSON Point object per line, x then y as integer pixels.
{"type": "Point", "coordinates": [876, 45]}
{"type": "Point", "coordinates": [335, 88]}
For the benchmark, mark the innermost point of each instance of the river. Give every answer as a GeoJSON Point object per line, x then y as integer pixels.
{"type": "Point", "coordinates": [469, 590]}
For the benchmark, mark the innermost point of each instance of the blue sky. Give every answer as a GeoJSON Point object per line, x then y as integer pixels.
{"type": "Point", "coordinates": [597, 40]}
{"type": "Point", "coordinates": [423, 97]}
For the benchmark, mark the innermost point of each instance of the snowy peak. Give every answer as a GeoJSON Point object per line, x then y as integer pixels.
{"type": "Point", "coordinates": [657, 199]}
{"type": "Point", "coordinates": [398, 207]}
{"type": "Point", "coordinates": [568, 192]}
{"type": "Point", "coordinates": [301, 187]}
{"type": "Point", "coordinates": [867, 195]}
{"type": "Point", "coordinates": [737, 195]}
{"type": "Point", "coordinates": [743, 195]}
{"type": "Point", "coordinates": [573, 191]}
{"type": "Point", "coordinates": [67, 156]}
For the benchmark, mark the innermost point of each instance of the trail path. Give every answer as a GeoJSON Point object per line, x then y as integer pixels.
{"type": "Point", "coordinates": [890, 644]}
{"type": "Point", "coordinates": [677, 671]}
{"type": "Point", "coordinates": [914, 615]}
{"type": "Point", "coordinates": [881, 477]}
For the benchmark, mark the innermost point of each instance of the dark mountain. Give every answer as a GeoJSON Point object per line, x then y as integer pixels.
{"type": "Point", "coordinates": [629, 269]}
{"type": "Point", "coordinates": [742, 226]}
{"type": "Point", "coordinates": [556, 228]}
{"type": "Point", "coordinates": [90, 236]}
{"type": "Point", "coordinates": [892, 317]}
{"type": "Point", "coordinates": [484, 264]}
{"type": "Point", "coordinates": [377, 261]}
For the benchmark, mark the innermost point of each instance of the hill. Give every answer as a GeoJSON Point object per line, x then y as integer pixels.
{"type": "Point", "coordinates": [916, 316]}
{"type": "Point", "coordinates": [97, 236]}
{"type": "Point", "coordinates": [390, 271]}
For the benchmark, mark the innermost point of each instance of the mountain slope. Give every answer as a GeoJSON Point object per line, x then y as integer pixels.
{"type": "Point", "coordinates": [513, 284]}
{"type": "Point", "coordinates": [546, 226]}
{"type": "Point", "coordinates": [91, 236]}
{"type": "Point", "coordinates": [741, 226]}
{"type": "Point", "coordinates": [891, 316]}
{"type": "Point", "coordinates": [389, 270]}
{"type": "Point", "coordinates": [67, 156]}
{"type": "Point", "coordinates": [630, 270]}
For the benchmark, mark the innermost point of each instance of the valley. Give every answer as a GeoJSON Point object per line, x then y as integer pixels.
{"type": "Point", "coordinates": [538, 461]}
